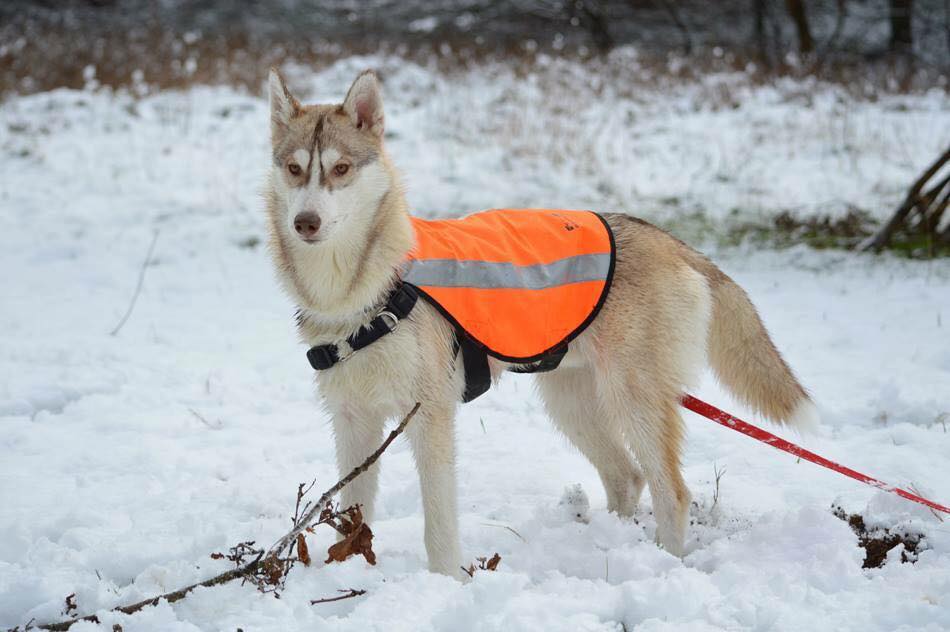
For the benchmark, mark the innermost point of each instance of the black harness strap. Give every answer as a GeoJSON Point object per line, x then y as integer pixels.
{"type": "Point", "coordinates": [398, 306]}
{"type": "Point", "coordinates": [549, 362]}
{"type": "Point", "coordinates": [475, 362]}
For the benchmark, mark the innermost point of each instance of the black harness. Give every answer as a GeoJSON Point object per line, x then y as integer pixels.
{"type": "Point", "coordinates": [398, 306]}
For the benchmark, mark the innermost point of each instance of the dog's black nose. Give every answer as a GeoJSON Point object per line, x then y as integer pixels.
{"type": "Point", "coordinates": [307, 225]}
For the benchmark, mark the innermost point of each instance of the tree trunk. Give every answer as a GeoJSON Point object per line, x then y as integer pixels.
{"type": "Point", "coordinates": [593, 17]}
{"type": "Point", "coordinates": [902, 35]}
{"type": "Point", "coordinates": [761, 41]}
{"type": "Point", "coordinates": [796, 9]}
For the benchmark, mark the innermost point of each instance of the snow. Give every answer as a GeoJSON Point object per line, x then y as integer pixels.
{"type": "Point", "coordinates": [128, 459]}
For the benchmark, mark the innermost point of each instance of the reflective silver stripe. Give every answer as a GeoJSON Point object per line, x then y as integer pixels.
{"type": "Point", "coordinates": [489, 274]}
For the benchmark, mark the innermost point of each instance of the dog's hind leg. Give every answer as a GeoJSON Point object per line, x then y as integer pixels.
{"type": "Point", "coordinates": [432, 437]}
{"type": "Point", "coordinates": [570, 397]}
{"type": "Point", "coordinates": [656, 435]}
{"type": "Point", "coordinates": [653, 355]}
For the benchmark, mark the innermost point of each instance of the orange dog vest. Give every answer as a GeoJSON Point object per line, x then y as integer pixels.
{"type": "Point", "coordinates": [521, 283]}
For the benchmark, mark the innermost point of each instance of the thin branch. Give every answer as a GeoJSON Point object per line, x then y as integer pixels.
{"type": "Point", "coordinates": [348, 594]}
{"type": "Point", "coordinates": [914, 489]}
{"type": "Point", "coordinates": [205, 421]}
{"type": "Point", "coordinates": [138, 286]}
{"type": "Point", "coordinates": [719, 473]}
{"type": "Point", "coordinates": [262, 560]}
{"type": "Point", "coordinates": [170, 597]}
{"type": "Point", "coordinates": [314, 512]}
{"type": "Point", "coordinates": [504, 526]}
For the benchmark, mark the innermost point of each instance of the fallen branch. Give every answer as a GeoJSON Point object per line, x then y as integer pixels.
{"type": "Point", "coordinates": [138, 286]}
{"type": "Point", "coordinates": [912, 201]}
{"type": "Point", "coordinates": [271, 564]}
{"type": "Point", "coordinates": [315, 510]}
{"type": "Point", "coordinates": [170, 597]}
{"type": "Point", "coordinates": [349, 594]}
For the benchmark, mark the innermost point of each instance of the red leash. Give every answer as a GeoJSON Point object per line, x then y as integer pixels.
{"type": "Point", "coordinates": [700, 407]}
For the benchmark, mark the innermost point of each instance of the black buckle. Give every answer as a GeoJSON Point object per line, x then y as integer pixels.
{"type": "Point", "coordinates": [549, 362]}
{"type": "Point", "coordinates": [402, 301]}
{"type": "Point", "coordinates": [323, 356]}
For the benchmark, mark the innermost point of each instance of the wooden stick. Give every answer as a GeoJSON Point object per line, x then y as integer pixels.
{"type": "Point", "coordinates": [262, 559]}
{"type": "Point", "coordinates": [883, 237]}
{"type": "Point", "coordinates": [170, 597]}
{"type": "Point", "coordinates": [349, 595]}
{"type": "Point", "coordinates": [318, 506]}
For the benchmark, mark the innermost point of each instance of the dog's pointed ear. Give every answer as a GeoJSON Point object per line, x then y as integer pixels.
{"type": "Point", "coordinates": [364, 103]}
{"type": "Point", "coordinates": [283, 106]}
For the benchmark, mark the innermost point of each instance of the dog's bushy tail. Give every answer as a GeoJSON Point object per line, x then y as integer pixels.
{"type": "Point", "coordinates": [744, 358]}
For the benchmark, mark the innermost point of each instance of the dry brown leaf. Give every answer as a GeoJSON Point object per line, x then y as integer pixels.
{"type": "Point", "coordinates": [357, 538]}
{"type": "Point", "coordinates": [273, 569]}
{"type": "Point", "coordinates": [358, 542]}
{"type": "Point", "coordinates": [491, 564]}
{"type": "Point", "coordinates": [484, 564]}
{"type": "Point", "coordinates": [302, 552]}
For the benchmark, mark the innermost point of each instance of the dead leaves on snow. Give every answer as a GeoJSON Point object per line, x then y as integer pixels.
{"type": "Point", "coordinates": [303, 553]}
{"type": "Point", "coordinates": [484, 564]}
{"type": "Point", "coordinates": [357, 536]}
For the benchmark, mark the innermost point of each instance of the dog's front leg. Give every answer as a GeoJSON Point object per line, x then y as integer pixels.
{"type": "Point", "coordinates": [357, 434]}
{"type": "Point", "coordinates": [432, 436]}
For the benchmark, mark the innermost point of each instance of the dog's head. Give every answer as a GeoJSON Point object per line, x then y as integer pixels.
{"type": "Point", "coordinates": [329, 173]}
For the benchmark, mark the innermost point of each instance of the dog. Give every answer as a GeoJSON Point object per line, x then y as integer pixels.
{"type": "Point", "coordinates": [340, 234]}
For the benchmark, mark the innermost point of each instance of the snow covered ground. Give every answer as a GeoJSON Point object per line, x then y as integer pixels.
{"type": "Point", "coordinates": [126, 460]}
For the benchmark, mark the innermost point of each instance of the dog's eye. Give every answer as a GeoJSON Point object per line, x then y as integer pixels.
{"type": "Point", "coordinates": [341, 169]}
{"type": "Point", "coordinates": [294, 169]}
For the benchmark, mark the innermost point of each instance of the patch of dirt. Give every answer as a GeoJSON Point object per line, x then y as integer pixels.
{"type": "Point", "coordinates": [879, 541]}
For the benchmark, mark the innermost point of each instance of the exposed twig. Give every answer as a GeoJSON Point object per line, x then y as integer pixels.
{"type": "Point", "coordinates": [204, 420]}
{"type": "Point", "coordinates": [719, 473]}
{"type": "Point", "coordinates": [348, 594]}
{"type": "Point", "coordinates": [262, 563]}
{"type": "Point", "coordinates": [170, 597]}
{"type": "Point", "coordinates": [914, 489]}
{"type": "Point", "coordinates": [315, 510]}
{"type": "Point", "coordinates": [504, 526]}
{"type": "Point", "coordinates": [138, 286]}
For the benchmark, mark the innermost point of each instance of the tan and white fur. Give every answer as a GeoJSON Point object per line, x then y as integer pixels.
{"type": "Point", "coordinates": [340, 232]}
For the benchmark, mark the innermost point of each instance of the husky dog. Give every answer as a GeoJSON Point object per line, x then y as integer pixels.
{"type": "Point", "coordinates": [340, 234]}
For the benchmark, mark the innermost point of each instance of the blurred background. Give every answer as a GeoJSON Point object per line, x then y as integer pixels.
{"type": "Point", "coordinates": [775, 120]}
